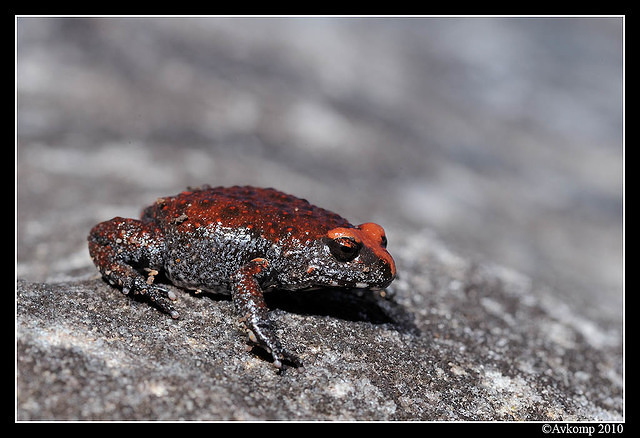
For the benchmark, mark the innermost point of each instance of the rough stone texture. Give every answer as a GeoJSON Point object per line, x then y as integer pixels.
{"type": "Point", "coordinates": [489, 149]}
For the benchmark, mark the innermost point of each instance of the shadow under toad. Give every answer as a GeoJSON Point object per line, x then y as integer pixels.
{"type": "Point", "coordinates": [347, 304]}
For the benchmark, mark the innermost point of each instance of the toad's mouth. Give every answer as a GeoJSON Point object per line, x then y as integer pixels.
{"type": "Point", "coordinates": [344, 284]}
{"type": "Point", "coordinates": [352, 285]}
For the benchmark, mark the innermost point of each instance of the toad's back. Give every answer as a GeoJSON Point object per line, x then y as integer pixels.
{"type": "Point", "coordinates": [269, 213]}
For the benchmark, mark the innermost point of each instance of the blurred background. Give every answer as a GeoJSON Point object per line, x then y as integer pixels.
{"type": "Point", "coordinates": [502, 136]}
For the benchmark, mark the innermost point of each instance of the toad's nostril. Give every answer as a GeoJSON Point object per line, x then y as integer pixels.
{"type": "Point", "coordinates": [391, 265]}
{"type": "Point", "coordinates": [388, 271]}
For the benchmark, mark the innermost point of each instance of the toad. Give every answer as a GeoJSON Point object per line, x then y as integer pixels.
{"type": "Point", "coordinates": [243, 241]}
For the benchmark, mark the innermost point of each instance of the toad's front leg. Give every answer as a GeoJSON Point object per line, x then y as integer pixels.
{"type": "Point", "coordinates": [249, 303]}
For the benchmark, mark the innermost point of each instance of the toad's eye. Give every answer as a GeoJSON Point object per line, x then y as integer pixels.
{"type": "Point", "coordinates": [344, 249]}
{"type": "Point", "coordinates": [383, 243]}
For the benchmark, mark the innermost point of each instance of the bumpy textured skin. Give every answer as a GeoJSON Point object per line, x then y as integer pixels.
{"type": "Point", "coordinates": [241, 240]}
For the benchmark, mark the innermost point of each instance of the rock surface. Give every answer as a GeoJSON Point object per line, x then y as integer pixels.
{"type": "Point", "coordinates": [489, 149]}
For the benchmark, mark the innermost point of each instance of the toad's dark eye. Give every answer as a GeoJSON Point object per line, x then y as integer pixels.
{"type": "Point", "coordinates": [384, 241]}
{"type": "Point", "coordinates": [344, 249]}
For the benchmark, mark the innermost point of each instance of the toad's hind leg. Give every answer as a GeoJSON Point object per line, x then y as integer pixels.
{"type": "Point", "coordinates": [250, 306]}
{"type": "Point", "coordinates": [120, 247]}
